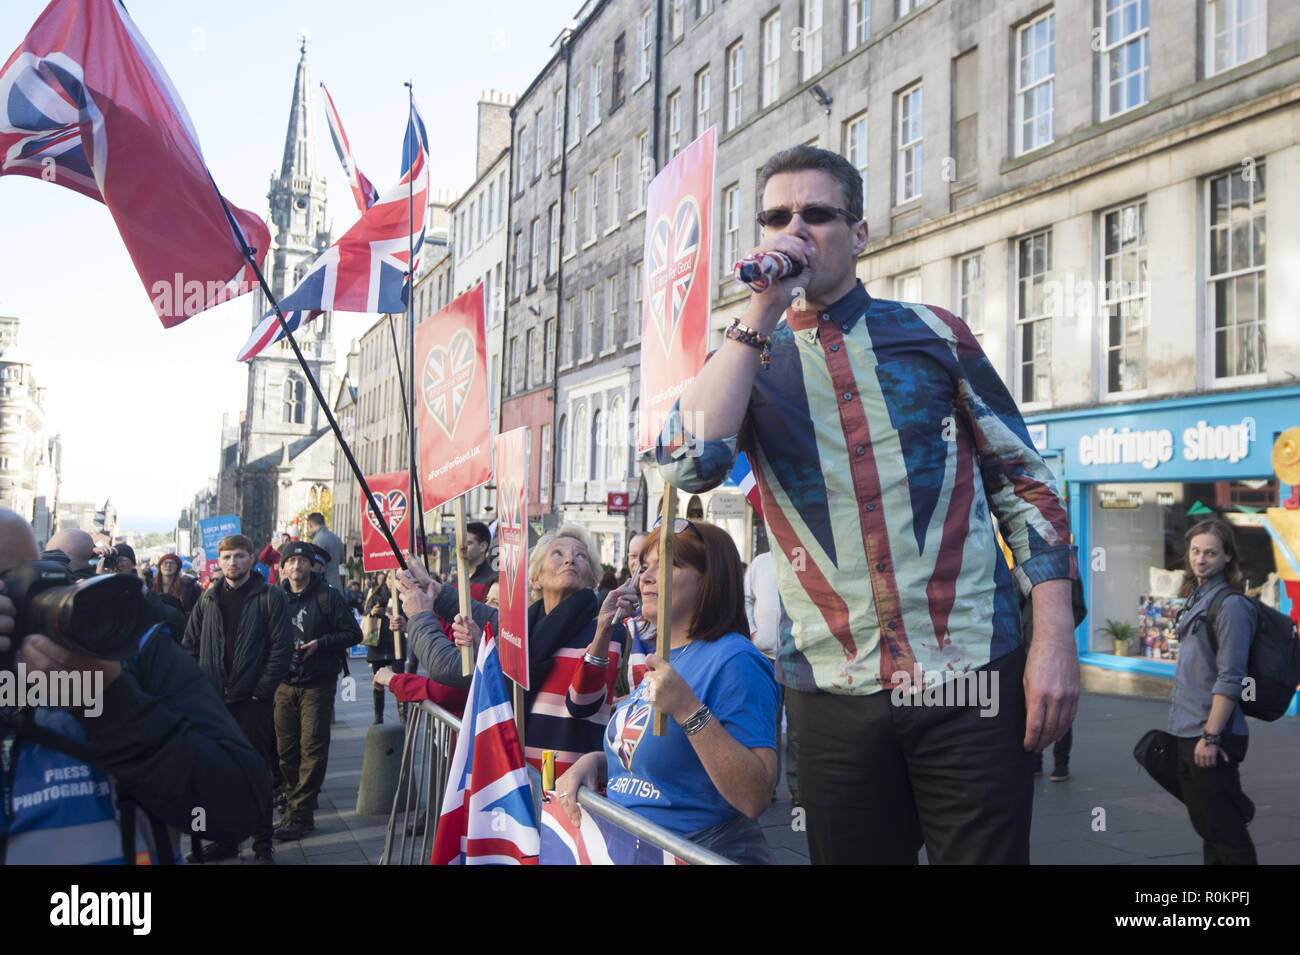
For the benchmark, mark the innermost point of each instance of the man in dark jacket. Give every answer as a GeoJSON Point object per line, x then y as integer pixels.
{"type": "Point", "coordinates": [156, 730]}
{"type": "Point", "coordinates": [323, 629]}
{"type": "Point", "coordinates": [239, 633]}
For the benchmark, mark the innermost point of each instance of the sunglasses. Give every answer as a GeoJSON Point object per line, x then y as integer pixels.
{"type": "Point", "coordinates": [680, 526]}
{"type": "Point", "coordinates": [813, 215]}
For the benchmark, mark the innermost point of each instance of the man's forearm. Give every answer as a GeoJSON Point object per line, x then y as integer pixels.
{"type": "Point", "coordinates": [1053, 611]}
{"type": "Point", "coordinates": [1220, 717]}
{"type": "Point", "coordinates": [714, 405]}
{"type": "Point", "coordinates": [440, 656]}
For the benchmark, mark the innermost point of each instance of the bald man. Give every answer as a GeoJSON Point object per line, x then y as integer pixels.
{"type": "Point", "coordinates": [158, 731]}
{"type": "Point", "coordinates": [78, 545]}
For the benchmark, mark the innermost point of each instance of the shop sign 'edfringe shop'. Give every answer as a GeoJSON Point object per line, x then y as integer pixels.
{"type": "Point", "coordinates": [1136, 477]}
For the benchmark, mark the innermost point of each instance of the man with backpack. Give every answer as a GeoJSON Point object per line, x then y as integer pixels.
{"type": "Point", "coordinates": [239, 634]}
{"type": "Point", "coordinates": [1205, 715]}
{"type": "Point", "coordinates": [323, 628]}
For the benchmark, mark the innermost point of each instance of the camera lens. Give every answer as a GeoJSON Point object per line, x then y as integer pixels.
{"type": "Point", "coordinates": [103, 617]}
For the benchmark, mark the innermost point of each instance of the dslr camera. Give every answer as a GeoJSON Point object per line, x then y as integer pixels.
{"type": "Point", "coordinates": [102, 617]}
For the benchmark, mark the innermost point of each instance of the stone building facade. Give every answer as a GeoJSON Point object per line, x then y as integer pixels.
{"type": "Point", "coordinates": [478, 252]}
{"type": "Point", "coordinates": [1088, 183]}
{"type": "Point", "coordinates": [533, 283]}
{"type": "Point", "coordinates": [286, 448]}
{"type": "Point", "coordinates": [30, 457]}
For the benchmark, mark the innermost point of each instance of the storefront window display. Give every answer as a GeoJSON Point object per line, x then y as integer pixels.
{"type": "Point", "coordinates": [1137, 553]}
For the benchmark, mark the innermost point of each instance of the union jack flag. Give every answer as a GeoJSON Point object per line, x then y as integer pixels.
{"type": "Point", "coordinates": [487, 815]}
{"type": "Point", "coordinates": [595, 842]}
{"type": "Point", "coordinates": [363, 190]}
{"type": "Point", "coordinates": [85, 104]}
{"type": "Point", "coordinates": [268, 331]}
{"type": "Point", "coordinates": [392, 505]}
{"type": "Point", "coordinates": [366, 270]}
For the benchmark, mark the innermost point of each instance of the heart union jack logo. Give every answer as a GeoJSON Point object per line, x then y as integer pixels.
{"type": "Point", "coordinates": [392, 505]}
{"type": "Point", "coordinates": [448, 377]}
{"type": "Point", "coordinates": [674, 253]}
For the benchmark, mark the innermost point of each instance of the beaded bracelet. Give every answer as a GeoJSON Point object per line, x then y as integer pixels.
{"type": "Point", "coordinates": [738, 331]}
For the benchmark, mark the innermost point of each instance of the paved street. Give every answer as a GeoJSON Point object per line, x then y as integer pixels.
{"type": "Point", "coordinates": [341, 838]}
{"type": "Point", "coordinates": [1143, 824]}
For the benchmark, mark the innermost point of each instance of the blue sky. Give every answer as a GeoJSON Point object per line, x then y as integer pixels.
{"type": "Point", "coordinates": [139, 408]}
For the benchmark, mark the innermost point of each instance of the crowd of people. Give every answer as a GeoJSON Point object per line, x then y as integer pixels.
{"type": "Point", "coordinates": [893, 466]}
{"type": "Point", "coordinates": [272, 654]}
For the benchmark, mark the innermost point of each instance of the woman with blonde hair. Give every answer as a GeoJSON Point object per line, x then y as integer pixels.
{"type": "Point", "coordinates": [573, 651]}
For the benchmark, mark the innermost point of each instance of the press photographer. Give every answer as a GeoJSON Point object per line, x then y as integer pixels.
{"type": "Point", "coordinates": [88, 789]}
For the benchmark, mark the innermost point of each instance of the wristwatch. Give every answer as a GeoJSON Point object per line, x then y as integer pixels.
{"type": "Point", "coordinates": [1212, 738]}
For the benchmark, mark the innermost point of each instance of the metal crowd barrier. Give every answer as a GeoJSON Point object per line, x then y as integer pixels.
{"type": "Point", "coordinates": [421, 782]}
{"type": "Point", "coordinates": [426, 764]}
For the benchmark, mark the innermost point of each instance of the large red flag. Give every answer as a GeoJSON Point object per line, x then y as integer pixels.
{"type": "Point", "coordinates": [678, 280]}
{"type": "Point", "coordinates": [455, 423]}
{"type": "Point", "coordinates": [84, 103]}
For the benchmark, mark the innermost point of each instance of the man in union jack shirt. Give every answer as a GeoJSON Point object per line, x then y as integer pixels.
{"type": "Point", "coordinates": [881, 437]}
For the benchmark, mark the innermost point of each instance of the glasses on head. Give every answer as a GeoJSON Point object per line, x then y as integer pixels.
{"type": "Point", "coordinates": [813, 215]}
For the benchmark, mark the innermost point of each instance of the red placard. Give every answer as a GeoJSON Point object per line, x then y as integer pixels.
{"type": "Point", "coordinates": [678, 279]}
{"type": "Point", "coordinates": [616, 502]}
{"type": "Point", "coordinates": [512, 558]}
{"type": "Point", "coordinates": [455, 422]}
{"type": "Point", "coordinates": [390, 494]}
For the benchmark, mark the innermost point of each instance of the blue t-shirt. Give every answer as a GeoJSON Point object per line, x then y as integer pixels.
{"type": "Point", "coordinates": [661, 777]}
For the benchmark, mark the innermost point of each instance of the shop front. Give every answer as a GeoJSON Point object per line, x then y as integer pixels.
{"type": "Point", "coordinates": [1136, 477]}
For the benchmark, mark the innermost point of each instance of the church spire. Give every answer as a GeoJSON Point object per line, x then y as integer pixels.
{"type": "Point", "coordinates": [297, 199]}
{"type": "Point", "coordinates": [300, 142]}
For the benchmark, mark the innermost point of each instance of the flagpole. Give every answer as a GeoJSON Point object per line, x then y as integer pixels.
{"type": "Point", "coordinates": [410, 328]}
{"type": "Point", "coordinates": [462, 581]}
{"type": "Point", "coordinates": [248, 253]}
{"type": "Point", "coordinates": [664, 611]}
{"type": "Point", "coordinates": [406, 416]}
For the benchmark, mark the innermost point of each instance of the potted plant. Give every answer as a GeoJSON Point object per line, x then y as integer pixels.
{"type": "Point", "coordinates": [1121, 631]}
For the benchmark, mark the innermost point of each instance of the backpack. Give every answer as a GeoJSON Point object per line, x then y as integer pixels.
{"type": "Point", "coordinates": [1274, 662]}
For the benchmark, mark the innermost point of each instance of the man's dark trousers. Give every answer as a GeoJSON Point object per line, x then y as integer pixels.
{"type": "Point", "coordinates": [878, 780]}
{"type": "Point", "coordinates": [302, 727]}
{"type": "Point", "coordinates": [1219, 810]}
{"type": "Point", "coordinates": [256, 721]}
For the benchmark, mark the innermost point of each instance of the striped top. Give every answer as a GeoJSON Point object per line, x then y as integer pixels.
{"type": "Point", "coordinates": [573, 702]}
{"type": "Point", "coordinates": [880, 437]}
